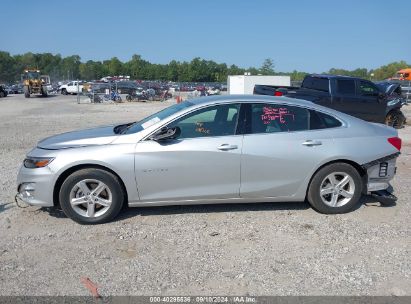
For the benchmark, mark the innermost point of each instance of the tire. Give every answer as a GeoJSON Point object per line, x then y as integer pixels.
{"type": "Point", "coordinates": [87, 208]}
{"type": "Point", "coordinates": [395, 119]}
{"type": "Point", "coordinates": [64, 92]}
{"type": "Point", "coordinates": [2, 95]}
{"type": "Point", "coordinates": [335, 199]}
{"type": "Point", "coordinates": [26, 92]}
{"type": "Point", "coordinates": [44, 93]}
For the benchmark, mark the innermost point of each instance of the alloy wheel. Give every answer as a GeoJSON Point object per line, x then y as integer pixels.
{"type": "Point", "coordinates": [90, 198]}
{"type": "Point", "coordinates": [337, 189]}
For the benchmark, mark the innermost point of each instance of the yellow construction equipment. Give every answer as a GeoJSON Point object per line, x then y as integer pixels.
{"type": "Point", "coordinates": [33, 84]}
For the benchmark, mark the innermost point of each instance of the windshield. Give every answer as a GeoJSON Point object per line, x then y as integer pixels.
{"type": "Point", "coordinates": [32, 75]}
{"type": "Point", "coordinates": [156, 117]}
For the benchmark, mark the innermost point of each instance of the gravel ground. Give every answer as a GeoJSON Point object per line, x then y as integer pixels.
{"type": "Point", "coordinates": [256, 249]}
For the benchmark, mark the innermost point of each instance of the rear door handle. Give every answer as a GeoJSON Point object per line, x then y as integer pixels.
{"type": "Point", "coordinates": [227, 147]}
{"type": "Point", "coordinates": [311, 143]}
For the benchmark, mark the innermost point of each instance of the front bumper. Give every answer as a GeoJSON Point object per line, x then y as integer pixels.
{"type": "Point", "coordinates": [35, 186]}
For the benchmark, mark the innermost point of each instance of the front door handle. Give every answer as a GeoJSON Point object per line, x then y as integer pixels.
{"type": "Point", "coordinates": [311, 143]}
{"type": "Point", "coordinates": [226, 147]}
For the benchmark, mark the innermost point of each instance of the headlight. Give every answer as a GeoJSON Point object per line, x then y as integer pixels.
{"type": "Point", "coordinates": [393, 102]}
{"type": "Point", "coordinates": [37, 162]}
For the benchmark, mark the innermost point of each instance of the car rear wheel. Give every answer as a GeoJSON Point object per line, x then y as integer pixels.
{"type": "Point", "coordinates": [335, 188]}
{"type": "Point", "coordinates": [91, 196]}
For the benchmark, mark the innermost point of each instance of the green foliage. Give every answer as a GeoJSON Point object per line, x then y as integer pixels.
{"type": "Point", "coordinates": [361, 73]}
{"type": "Point", "coordinates": [199, 70]}
{"type": "Point", "coordinates": [267, 68]}
{"type": "Point", "coordinates": [389, 70]}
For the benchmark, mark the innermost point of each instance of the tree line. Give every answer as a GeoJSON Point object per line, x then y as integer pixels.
{"type": "Point", "coordinates": [197, 70]}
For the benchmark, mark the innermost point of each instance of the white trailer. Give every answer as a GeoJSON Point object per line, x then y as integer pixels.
{"type": "Point", "coordinates": [244, 84]}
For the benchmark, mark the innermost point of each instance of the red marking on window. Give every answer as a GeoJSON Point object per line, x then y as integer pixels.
{"type": "Point", "coordinates": [270, 114]}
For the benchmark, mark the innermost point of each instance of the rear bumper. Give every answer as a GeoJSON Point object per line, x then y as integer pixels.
{"type": "Point", "coordinates": [380, 172]}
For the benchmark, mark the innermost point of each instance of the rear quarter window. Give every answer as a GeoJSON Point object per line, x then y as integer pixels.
{"type": "Point", "coordinates": [319, 120]}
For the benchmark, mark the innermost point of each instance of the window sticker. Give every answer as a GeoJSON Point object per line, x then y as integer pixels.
{"type": "Point", "coordinates": [270, 114]}
{"type": "Point", "coordinates": [200, 128]}
{"type": "Point", "coordinates": [150, 122]}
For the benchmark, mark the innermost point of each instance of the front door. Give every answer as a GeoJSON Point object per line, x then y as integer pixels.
{"type": "Point", "coordinates": [202, 163]}
{"type": "Point", "coordinates": [372, 102]}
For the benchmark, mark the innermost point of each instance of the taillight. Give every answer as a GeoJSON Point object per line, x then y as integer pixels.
{"type": "Point", "coordinates": [278, 93]}
{"type": "Point", "coordinates": [396, 142]}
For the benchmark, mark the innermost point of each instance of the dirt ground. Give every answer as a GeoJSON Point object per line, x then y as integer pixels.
{"type": "Point", "coordinates": [255, 249]}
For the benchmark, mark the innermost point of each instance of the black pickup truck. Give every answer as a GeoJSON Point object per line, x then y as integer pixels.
{"type": "Point", "coordinates": [355, 96]}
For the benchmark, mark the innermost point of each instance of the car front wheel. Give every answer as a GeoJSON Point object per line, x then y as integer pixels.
{"type": "Point", "coordinates": [335, 188]}
{"type": "Point", "coordinates": [91, 196]}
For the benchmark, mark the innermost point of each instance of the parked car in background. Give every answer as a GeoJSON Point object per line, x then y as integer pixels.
{"type": "Point", "coordinates": [213, 91]}
{"type": "Point", "coordinates": [72, 87]}
{"type": "Point", "coordinates": [14, 89]}
{"type": "Point", "coordinates": [357, 97]}
{"type": "Point", "coordinates": [3, 92]}
{"type": "Point", "coordinates": [220, 149]}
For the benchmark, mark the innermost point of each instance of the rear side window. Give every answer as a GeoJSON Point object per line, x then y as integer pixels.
{"type": "Point", "coordinates": [319, 120]}
{"type": "Point", "coordinates": [316, 83]}
{"type": "Point", "coordinates": [346, 86]}
{"type": "Point", "coordinates": [272, 118]}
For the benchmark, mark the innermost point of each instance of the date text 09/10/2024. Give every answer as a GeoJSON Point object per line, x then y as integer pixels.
{"type": "Point", "coordinates": [203, 299]}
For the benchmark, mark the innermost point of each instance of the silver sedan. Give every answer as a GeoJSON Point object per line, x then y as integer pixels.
{"type": "Point", "coordinates": [231, 149]}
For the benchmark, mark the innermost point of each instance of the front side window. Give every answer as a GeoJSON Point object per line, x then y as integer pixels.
{"type": "Point", "coordinates": [367, 88]}
{"type": "Point", "coordinates": [219, 120]}
{"type": "Point", "coordinates": [272, 118]}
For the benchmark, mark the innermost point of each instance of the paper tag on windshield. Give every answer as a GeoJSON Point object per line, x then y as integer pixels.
{"type": "Point", "coordinates": [150, 122]}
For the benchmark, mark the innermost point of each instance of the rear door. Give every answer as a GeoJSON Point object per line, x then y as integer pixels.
{"type": "Point", "coordinates": [280, 150]}
{"type": "Point", "coordinates": [345, 99]}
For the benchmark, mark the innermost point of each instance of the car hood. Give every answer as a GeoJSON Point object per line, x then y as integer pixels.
{"type": "Point", "coordinates": [89, 137]}
{"type": "Point", "coordinates": [387, 87]}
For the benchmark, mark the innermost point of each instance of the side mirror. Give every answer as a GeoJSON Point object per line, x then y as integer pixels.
{"type": "Point", "coordinates": [382, 97]}
{"type": "Point", "coordinates": [166, 133]}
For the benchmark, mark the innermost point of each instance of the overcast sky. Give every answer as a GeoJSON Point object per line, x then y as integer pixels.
{"type": "Point", "coordinates": [311, 36]}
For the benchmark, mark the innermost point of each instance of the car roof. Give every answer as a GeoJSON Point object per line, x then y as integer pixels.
{"type": "Point", "coordinates": [329, 76]}
{"type": "Point", "coordinates": [218, 99]}
{"type": "Point", "coordinates": [248, 98]}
